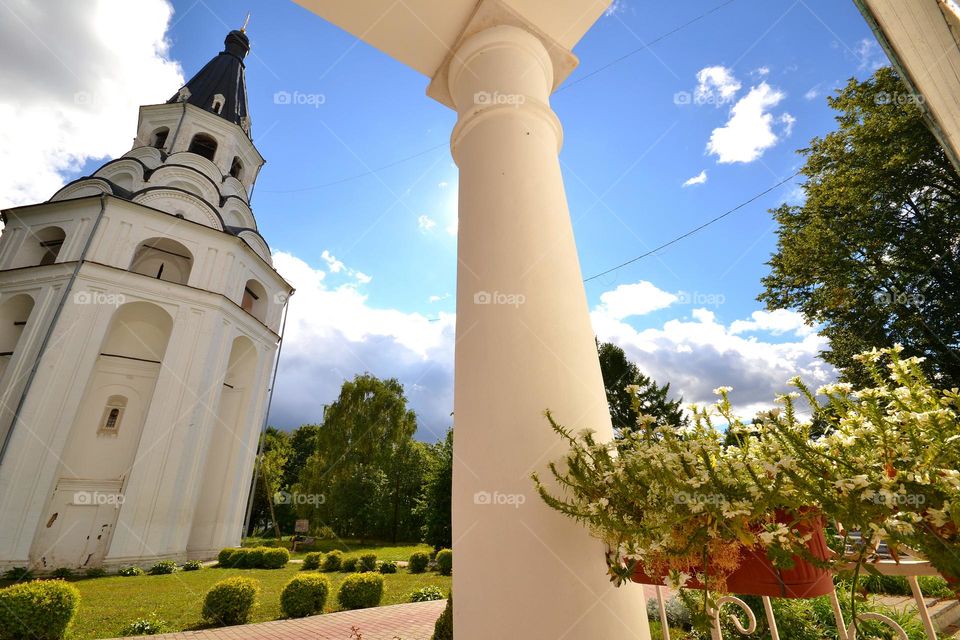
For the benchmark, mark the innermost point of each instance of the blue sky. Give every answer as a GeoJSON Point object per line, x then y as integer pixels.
{"type": "Point", "coordinates": [374, 258]}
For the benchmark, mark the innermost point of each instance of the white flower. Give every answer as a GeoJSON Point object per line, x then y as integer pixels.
{"type": "Point", "coordinates": [719, 391]}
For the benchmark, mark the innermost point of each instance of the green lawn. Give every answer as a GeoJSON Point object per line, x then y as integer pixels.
{"type": "Point", "coordinates": [108, 604]}
{"type": "Point", "coordinates": [384, 550]}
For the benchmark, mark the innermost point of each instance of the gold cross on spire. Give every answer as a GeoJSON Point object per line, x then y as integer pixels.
{"type": "Point", "coordinates": [243, 29]}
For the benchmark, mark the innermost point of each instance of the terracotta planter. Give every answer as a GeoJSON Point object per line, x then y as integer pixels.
{"type": "Point", "coordinates": [756, 576]}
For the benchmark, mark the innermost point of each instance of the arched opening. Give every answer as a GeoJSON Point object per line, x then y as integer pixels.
{"type": "Point", "coordinates": [254, 300]}
{"type": "Point", "coordinates": [163, 259]}
{"type": "Point", "coordinates": [40, 247]}
{"type": "Point", "coordinates": [236, 168]}
{"type": "Point", "coordinates": [217, 106]}
{"type": "Point", "coordinates": [14, 314]}
{"type": "Point", "coordinates": [203, 145]}
{"type": "Point", "coordinates": [230, 446]}
{"type": "Point", "coordinates": [158, 139]}
{"type": "Point", "coordinates": [101, 448]}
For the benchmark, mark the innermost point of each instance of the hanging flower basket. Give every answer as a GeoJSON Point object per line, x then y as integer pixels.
{"type": "Point", "coordinates": [756, 575]}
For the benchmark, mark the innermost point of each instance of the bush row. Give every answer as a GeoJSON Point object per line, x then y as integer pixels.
{"type": "Point", "coordinates": [253, 558]}
{"type": "Point", "coordinates": [334, 561]}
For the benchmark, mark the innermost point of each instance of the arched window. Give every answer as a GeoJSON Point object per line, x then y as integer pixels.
{"type": "Point", "coordinates": [112, 415]}
{"type": "Point", "coordinates": [163, 259]}
{"type": "Point", "coordinates": [203, 145]}
{"type": "Point", "coordinates": [254, 300]}
{"type": "Point", "coordinates": [14, 313]}
{"type": "Point", "coordinates": [236, 169]}
{"type": "Point", "coordinates": [40, 247]}
{"type": "Point", "coordinates": [217, 105]}
{"type": "Point", "coordinates": [158, 139]}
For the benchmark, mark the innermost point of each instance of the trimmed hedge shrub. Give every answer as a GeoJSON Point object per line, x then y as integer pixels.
{"type": "Point", "coordinates": [130, 571]}
{"type": "Point", "coordinates": [350, 565]}
{"type": "Point", "coordinates": [311, 561]}
{"type": "Point", "coordinates": [426, 594]}
{"type": "Point", "coordinates": [192, 565]}
{"type": "Point", "coordinates": [444, 562]}
{"type": "Point", "coordinates": [304, 595]}
{"type": "Point", "coordinates": [40, 610]}
{"type": "Point", "coordinates": [332, 561]}
{"type": "Point", "coordinates": [388, 567]}
{"type": "Point", "coordinates": [443, 629]}
{"type": "Point", "coordinates": [63, 573]}
{"type": "Point", "coordinates": [360, 591]}
{"type": "Point", "coordinates": [418, 562]}
{"type": "Point", "coordinates": [162, 568]}
{"type": "Point", "coordinates": [254, 558]}
{"type": "Point", "coordinates": [230, 601]}
{"type": "Point", "coordinates": [368, 562]}
{"type": "Point", "coordinates": [95, 572]}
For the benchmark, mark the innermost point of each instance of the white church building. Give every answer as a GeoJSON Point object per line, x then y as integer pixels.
{"type": "Point", "coordinates": [139, 323]}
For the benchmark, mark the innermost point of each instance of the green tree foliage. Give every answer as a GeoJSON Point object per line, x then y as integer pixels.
{"type": "Point", "coordinates": [435, 502]}
{"type": "Point", "coordinates": [873, 252]}
{"type": "Point", "coordinates": [366, 464]}
{"type": "Point", "coordinates": [271, 473]}
{"type": "Point", "coordinates": [618, 372]}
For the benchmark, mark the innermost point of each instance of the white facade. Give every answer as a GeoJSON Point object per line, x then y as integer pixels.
{"type": "Point", "coordinates": [139, 322]}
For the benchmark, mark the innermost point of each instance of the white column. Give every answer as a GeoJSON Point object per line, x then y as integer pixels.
{"type": "Point", "coordinates": [524, 344]}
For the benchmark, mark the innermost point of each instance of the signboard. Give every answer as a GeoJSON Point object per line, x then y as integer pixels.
{"type": "Point", "coordinates": [302, 526]}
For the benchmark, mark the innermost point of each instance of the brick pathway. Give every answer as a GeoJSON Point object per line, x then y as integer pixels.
{"type": "Point", "coordinates": [404, 621]}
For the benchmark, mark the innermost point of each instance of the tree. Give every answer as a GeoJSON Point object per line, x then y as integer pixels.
{"type": "Point", "coordinates": [436, 499]}
{"type": "Point", "coordinates": [365, 463]}
{"type": "Point", "coordinates": [872, 253]}
{"type": "Point", "coordinates": [618, 372]}
{"type": "Point", "coordinates": [270, 474]}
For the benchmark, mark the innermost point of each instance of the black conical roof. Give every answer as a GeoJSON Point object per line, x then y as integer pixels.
{"type": "Point", "coordinates": [224, 76]}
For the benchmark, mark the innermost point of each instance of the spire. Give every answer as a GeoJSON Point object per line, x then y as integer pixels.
{"type": "Point", "coordinates": [220, 86]}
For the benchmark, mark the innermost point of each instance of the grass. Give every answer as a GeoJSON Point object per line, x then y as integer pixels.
{"type": "Point", "coordinates": [109, 604]}
{"type": "Point", "coordinates": [350, 548]}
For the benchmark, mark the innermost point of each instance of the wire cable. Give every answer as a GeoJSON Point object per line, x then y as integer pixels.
{"type": "Point", "coordinates": [695, 230]}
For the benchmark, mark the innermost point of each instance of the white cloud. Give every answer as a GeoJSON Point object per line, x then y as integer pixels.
{"type": "Point", "coordinates": [426, 223]}
{"type": "Point", "coordinates": [749, 131]}
{"type": "Point", "coordinates": [700, 178]}
{"type": "Point", "coordinates": [336, 266]}
{"type": "Point", "coordinates": [812, 93]}
{"type": "Point", "coordinates": [433, 299]}
{"type": "Point", "coordinates": [444, 184]}
{"type": "Point", "coordinates": [333, 334]}
{"type": "Point", "coordinates": [761, 71]}
{"type": "Point", "coordinates": [617, 6]}
{"type": "Point", "coordinates": [787, 121]}
{"type": "Point", "coordinates": [82, 70]}
{"type": "Point", "coordinates": [635, 299]}
{"type": "Point", "coordinates": [870, 56]}
{"type": "Point", "coordinates": [715, 85]}
{"type": "Point", "coordinates": [699, 353]}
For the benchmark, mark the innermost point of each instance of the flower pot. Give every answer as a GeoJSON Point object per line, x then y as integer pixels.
{"type": "Point", "coordinates": [756, 575]}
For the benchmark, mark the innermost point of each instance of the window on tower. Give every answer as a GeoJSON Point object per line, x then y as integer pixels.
{"type": "Point", "coordinates": [51, 240]}
{"type": "Point", "coordinates": [236, 169]}
{"type": "Point", "coordinates": [163, 259]}
{"type": "Point", "coordinates": [254, 300]}
{"type": "Point", "coordinates": [158, 139]}
{"type": "Point", "coordinates": [112, 415]}
{"type": "Point", "coordinates": [203, 145]}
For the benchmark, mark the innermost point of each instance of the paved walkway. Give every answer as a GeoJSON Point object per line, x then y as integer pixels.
{"type": "Point", "coordinates": [404, 621]}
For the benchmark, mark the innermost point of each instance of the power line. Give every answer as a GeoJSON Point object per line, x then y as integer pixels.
{"type": "Point", "coordinates": [359, 175]}
{"type": "Point", "coordinates": [695, 230]}
{"type": "Point", "coordinates": [646, 46]}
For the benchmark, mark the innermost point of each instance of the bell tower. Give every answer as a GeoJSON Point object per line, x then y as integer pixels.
{"type": "Point", "coordinates": [140, 316]}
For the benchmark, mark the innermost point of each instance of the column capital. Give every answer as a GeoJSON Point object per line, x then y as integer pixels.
{"type": "Point", "coordinates": [490, 14]}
